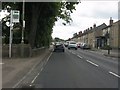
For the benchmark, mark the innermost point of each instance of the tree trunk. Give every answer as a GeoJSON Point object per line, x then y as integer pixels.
{"type": "Point", "coordinates": [35, 16]}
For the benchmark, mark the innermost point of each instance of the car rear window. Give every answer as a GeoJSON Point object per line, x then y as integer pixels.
{"type": "Point", "coordinates": [72, 43]}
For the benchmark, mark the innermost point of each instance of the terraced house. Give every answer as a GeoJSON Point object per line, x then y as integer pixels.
{"type": "Point", "coordinates": [102, 35]}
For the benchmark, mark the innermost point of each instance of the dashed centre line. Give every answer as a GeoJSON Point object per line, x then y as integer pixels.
{"type": "Point", "coordinates": [92, 63]}
{"type": "Point", "coordinates": [80, 56]}
{"type": "Point", "coordinates": [73, 53]}
{"type": "Point", "coordinates": [114, 74]}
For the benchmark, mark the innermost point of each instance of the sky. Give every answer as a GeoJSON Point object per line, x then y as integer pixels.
{"type": "Point", "coordinates": [86, 14]}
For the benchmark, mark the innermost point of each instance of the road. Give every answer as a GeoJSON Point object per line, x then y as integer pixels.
{"type": "Point", "coordinates": [78, 69]}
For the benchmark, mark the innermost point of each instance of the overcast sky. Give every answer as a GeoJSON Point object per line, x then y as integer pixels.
{"type": "Point", "coordinates": [87, 13]}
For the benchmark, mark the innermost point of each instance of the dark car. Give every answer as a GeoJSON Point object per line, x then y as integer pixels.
{"type": "Point", "coordinates": [59, 47]}
{"type": "Point", "coordinates": [78, 45]}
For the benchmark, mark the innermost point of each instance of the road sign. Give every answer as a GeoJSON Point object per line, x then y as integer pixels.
{"type": "Point", "coordinates": [24, 23]}
{"type": "Point", "coordinates": [15, 16]}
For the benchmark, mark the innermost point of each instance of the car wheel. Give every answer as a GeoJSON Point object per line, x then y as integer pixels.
{"type": "Point", "coordinates": [75, 48]}
{"type": "Point", "coordinates": [68, 48]}
{"type": "Point", "coordinates": [63, 50]}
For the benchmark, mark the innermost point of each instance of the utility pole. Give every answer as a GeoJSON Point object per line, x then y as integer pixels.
{"type": "Point", "coordinates": [14, 18]}
{"type": "Point", "coordinates": [23, 27]}
{"type": "Point", "coordinates": [10, 38]}
{"type": "Point", "coordinates": [23, 9]}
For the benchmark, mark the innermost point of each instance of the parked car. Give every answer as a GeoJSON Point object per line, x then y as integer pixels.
{"type": "Point", "coordinates": [72, 45]}
{"type": "Point", "coordinates": [85, 46]}
{"type": "Point", "coordinates": [59, 47]}
{"type": "Point", "coordinates": [66, 44]}
{"type": "Point", "coordinates": [78, 45]}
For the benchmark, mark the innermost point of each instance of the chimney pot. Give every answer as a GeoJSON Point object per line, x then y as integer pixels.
{"type": "Point", "coordinates": [111, 21]}
{"type": "Point", "coordinates": [91, 28]}
{"type": "Point", "coordinates": [94, 26]}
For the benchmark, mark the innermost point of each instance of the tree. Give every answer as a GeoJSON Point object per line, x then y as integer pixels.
{"type": "Point", "coordinates": [40, 18]}
{"type": "Point", "coordinates": [5, 28]}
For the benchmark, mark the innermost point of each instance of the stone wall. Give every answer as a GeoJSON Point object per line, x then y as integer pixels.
{"type": "Point", "coordinates": [21, 51]}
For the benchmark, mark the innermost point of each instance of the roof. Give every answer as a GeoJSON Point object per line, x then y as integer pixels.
{"type": "Point", "coordinates": [100, 27]}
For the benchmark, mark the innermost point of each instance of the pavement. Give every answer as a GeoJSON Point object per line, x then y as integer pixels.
{"type": "Point", "coordinates": [14, 69]}
{"type": "Point", "coordinates": [113, 53]}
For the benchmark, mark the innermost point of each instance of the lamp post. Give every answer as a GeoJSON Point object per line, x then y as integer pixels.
{"type": "Point", "coordinates": [23, 9]}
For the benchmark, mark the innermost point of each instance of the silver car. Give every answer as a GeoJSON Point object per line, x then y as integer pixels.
{"type": "Point", "coordinates": [72, 45]}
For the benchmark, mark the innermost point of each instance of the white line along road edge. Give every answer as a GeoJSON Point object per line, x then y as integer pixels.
{"type": "Point", "coordinates": [41, 69]}
{"type": "Point", "coordinates": [35, 78]}
{"type": "Point", "coordinates": [1, 63]}
{"type": "Point", "coordinates": [28, 73]}
{"type": "Point", "coordinates": [92, 63]}
{"type": "Point", "coordinates": [114, 74]}
{"type": "Point", "coordinates": [49, 56]}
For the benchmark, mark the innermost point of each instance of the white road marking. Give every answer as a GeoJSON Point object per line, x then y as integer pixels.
{"type": "Point", "coordinates": [47, 60]}
{"type": "Point", "coordinates": [35, 78]}
{"type": "Point", "coordinates": [28, 74]}
{"type": "Point", "coordinates": [49, 57]}
{"type": "Point", "coordinates": [92, 63]}
{"type": "Point", "coordinates": [30, 85]}
{"type": "Point", "coordinates": [41, 68]}
{"type": "Point", "coordinates": [73, 53]}
{"type": "Point", "coordinates": [1, 63]}
{"type": "Point", "coordinates": [114, 74]}
{"type": "Point", "coordinates": [80, 56]}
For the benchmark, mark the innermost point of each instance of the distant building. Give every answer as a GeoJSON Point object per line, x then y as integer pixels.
{"type": "Point", "coordinates": [90, 35]}
{"type": "Point", "coordinates": [102, 35]}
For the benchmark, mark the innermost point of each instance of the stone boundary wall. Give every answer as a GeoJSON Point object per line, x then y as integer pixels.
{"type": "Point", "coordinates": [21, 51]}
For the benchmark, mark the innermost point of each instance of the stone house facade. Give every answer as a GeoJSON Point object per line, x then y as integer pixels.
{"type": "Point", "coordinates": [89, 36]}
{"type": "Point", "coordinates": [102, 35]}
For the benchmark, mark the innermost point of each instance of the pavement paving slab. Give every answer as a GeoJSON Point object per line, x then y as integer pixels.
{"type": "Point", "coordinates": [113, 53]}
{"type": "Point", "coordinates": [13, 70]}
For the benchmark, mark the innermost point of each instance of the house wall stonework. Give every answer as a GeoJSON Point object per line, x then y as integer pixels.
{"type": "Point", "coordinates": [114, 35]}
{"type": "Point", "coordinates": [91, 39]}
{"type": "Point", "coordinates": [102, 35]}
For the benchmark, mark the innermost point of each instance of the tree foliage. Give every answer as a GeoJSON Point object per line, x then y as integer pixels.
{"type": "Point", "coordinates": [40, 18]}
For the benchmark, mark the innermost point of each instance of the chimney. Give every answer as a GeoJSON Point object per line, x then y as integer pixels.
{"type": "Point", "coordinates": [79, 32]}
{"type": "Point", "coordinates": [90, 28]}
{"type": "Point", "coordinates": [94, 26]}
{"type": "Point", "coordinates": [111, 21]}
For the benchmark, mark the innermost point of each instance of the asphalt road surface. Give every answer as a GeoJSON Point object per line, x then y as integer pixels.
{"type": "Point", "coordinates": [78, 69]}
